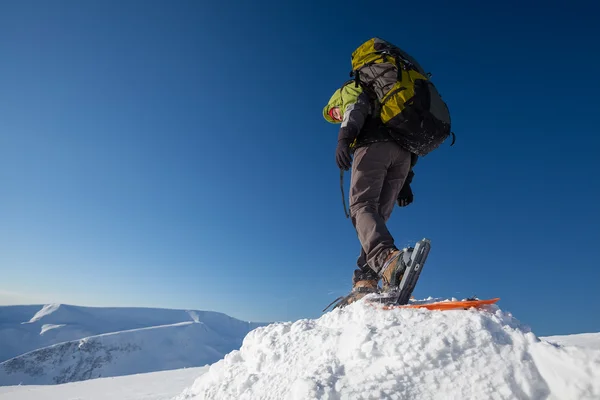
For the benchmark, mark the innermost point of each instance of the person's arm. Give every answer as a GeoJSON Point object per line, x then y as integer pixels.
{"type": "Point", "coordinates": [357, 108]}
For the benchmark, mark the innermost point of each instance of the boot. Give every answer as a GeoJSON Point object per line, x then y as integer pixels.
{"type": "Point", "coordinates": [393, 269]}
{"type": "Point", "coordinates": [360, 289]}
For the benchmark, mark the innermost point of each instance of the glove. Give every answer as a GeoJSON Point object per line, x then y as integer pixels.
{"type": "Point", "coordinates": [343, 158]}
{"type": "Point", "coordinates": [405, 197]}
{"type": "Point", "coordinates": [342, 154]}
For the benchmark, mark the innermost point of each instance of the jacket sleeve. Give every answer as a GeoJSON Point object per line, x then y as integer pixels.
{"type": "Point", "coordinates": [356, 109]}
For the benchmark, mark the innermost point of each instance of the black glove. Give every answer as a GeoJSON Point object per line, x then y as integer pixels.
{"type": "Point", "coordinates": [342, 154]}
{"type": "Point", "coordinates": [405, 197]}
{"type": "Point", "coordinates": [343, 158]}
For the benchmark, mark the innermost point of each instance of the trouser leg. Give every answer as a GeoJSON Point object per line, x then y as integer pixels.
{"type": "Point", "coordinates": [378, 173]}
{"type": "Point", "coordinates": [363, 272]}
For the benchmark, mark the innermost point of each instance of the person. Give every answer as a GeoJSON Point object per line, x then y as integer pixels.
{"type": "Point", "coordinates": [380, 178]}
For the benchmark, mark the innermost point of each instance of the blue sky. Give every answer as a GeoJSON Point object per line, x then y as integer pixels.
{"type": "Point", "coordinates": [173, 154]}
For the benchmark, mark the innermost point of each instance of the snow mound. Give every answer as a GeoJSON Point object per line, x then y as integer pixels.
{"type": "Point", "coordinates": [362, 352]}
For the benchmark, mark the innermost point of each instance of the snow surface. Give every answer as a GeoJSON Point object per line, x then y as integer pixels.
{"type": "Point", "coordinates": [138, 340]}
{"type": "Point", "coordinates": [361, 352]}
{"type": "Point", "coordinates": [152, 386]}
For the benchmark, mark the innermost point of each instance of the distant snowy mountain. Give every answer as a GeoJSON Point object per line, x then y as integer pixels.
{"type": "Point", "coordinates": [361, 352]}
{"type": "Point", "coordinates": [79, 343]}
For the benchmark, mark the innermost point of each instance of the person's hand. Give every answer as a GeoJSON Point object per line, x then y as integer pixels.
{"type": "Point", "coordinates": [405, 197]}
{"type": "Point", "coordinates": [342, 155]}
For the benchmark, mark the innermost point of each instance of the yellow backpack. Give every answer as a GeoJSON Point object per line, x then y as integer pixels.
{"type": "Point", "coordinates": [408, 102]}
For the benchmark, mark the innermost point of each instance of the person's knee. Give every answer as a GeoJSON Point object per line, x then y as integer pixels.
{"type": "Point", "coordinates": [364, 207]}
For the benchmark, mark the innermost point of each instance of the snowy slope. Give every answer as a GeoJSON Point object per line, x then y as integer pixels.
{"type": "Point", "coordinates": [586, 340]}
{"type": "Point", "coordinates": [362, 352]}
{"type": "Point", "coordinates": [27, 328]}
{"type": "Point", "coordinates": [162, 385]}
{"type": "Point", "coordinates": [188, 344]}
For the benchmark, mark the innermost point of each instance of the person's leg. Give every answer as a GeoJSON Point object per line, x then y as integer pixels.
{"type": "Point", "coordinates": [394, 180]}
{"type": "Point", "coordinates": [363, 272]}
{"type": "Point", "coordinates": [369, 182]}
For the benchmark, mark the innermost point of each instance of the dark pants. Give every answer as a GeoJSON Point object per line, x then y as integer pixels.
{"type": "Point", "coordinates": [378, 173]}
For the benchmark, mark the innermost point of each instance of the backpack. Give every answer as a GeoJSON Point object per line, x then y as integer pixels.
{"type": "Point", "coordinates": [407, 101]}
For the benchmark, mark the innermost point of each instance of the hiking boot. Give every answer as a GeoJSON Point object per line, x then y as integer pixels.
{"type": "Point", "coordinates": [365, 286]}
{"type": "Point", "coordinates": [393, 269]}
{"type": "Point", "coordinates": [359, 290]}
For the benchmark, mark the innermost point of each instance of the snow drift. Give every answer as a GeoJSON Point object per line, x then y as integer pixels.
{"type": "Point", "coordinates": [362, 352]}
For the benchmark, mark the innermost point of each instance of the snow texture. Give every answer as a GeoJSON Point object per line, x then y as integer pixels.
{"type": "Point", "coordinates": [362, 352]}
{"type": "Point", "coordinates": [131, 341]}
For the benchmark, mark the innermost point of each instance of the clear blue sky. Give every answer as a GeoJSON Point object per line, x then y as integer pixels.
{"type": "Point", "coordinates": [173, 154]}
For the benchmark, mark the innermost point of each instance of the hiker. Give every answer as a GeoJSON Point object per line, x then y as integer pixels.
{"type": "Point", "coordinates": [381, 175]}
{"type": "Point", "coordinates": [390, 113]}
